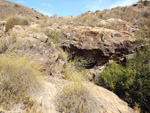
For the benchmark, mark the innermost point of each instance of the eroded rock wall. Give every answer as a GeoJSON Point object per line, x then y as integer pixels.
{"type": "Point", "coordinates": [98, 44]}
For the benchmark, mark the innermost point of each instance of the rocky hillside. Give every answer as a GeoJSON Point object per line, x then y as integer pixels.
{"type": "Point", "coordinates": [136, 15]}
{"type": "Point", "coordinates": [11, 9]}
{"type": "Point", "coordinates": [67, 66]}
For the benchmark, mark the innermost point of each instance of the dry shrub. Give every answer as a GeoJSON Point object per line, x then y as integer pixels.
{"type": "Point", "coordinates": [125, 18]}
{"type": "Point", "coordinates": [3, 45]}
{"type": "Point", "coordinates": [73, 71]}
{"type": "Point", "coordinates": [143, 33]}
{"type": "Point", "coordinates": [6, 42]}
{"type": "Point", "coordinates": [143, 22]}
{"type": "Point", "coordinates": [74, 97]}
{"type": "Point", "coordinates": [12, 21]}
{"type": "Point", "coordinates": [18, 77]}
{"type": "Point", "coordinates": [43, 23]}
{"type": "Point", "coordinates": [146, 14]}
{"type": "Point", "coordinates": [63, 55]}
{"type": "Point", "coordinates": [136, 108]}
{"type": "Point", "coordinates": [87, 20]}
{"type": "Point", "coordinates": [33, 108]}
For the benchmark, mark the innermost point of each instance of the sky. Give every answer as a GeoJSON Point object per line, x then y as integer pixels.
{"type": "Point", "coordinates": [72, 7]}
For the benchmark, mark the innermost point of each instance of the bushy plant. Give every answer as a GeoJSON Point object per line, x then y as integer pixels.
{"type": "Point", "coordinates": [18, 77]}
{"type": "Point", "coordinates": [16, 5]}
{"type": "Point", "coordinates": [53, 35]}
{"type": "Point", "coordinates": [117, 78]}
{"type": "Point", "coordinates": [130, 82]}
{"type": "Point", "coordinates": [140, 90]}
{"type": "Point", "coordinates": [80, 62]}
{"type": "Point", "coordinates": [12, 21]}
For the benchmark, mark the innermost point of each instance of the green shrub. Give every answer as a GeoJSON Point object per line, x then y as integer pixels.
{"type": "Point", "coordinates": [12, 21]}
{"type": "Point", "coordinates": [53, 35]}
{"type": "Point", "coordinates": [18, 77]}
{"type": "Point", "coordinates": [140, 90]}
{"type": "Point", "coordinates": [16, 5]}
{"type": "Point", "coordinates": [117, 78]}
{"type": "Point", "coordinates": [80, 63]}
{"type": "Point", "coordinates": [130, 82]}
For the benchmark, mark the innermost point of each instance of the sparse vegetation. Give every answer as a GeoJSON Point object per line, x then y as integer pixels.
{"type": "Point", "coordinates": [70, 71]}
{"type": "Point", "coordinates": [143, 33]}
{"type": "Point", "coordinates": [74, 97]}
{"type": "Point", "coordinates": [18, 77]}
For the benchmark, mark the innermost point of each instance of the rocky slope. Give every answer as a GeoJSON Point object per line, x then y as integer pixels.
{"type": "Point", "coordinates": [136, 14]}
{"type": "Point", "coordinates": [99, 45]}
{"type": "Point", "coordinates": [14, 9]}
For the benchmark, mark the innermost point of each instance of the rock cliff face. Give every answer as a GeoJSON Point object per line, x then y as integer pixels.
{"type": "Point", "coordinates": [100, 45]}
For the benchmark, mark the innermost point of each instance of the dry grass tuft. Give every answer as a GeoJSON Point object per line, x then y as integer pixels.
{"type": "Point", "coordinates": [74, 97]}
{"type": "Point", "coordinates": [18, 77]}
{"type": "Point", "coordinates": [6, 42]}
{"type": "Point", "coordinates": [71, 72]}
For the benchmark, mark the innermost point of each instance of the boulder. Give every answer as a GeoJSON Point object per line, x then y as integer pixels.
{"type": "Point", "coordinates": [42, 37]}
{"type": "Point", "coordinates": [108, 102]}
{"type": "Point", "coordinates": [17, 30]}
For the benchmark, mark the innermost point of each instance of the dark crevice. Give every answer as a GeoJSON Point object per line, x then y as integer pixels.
{"type": "Point", "coordinates": [94, 56]}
